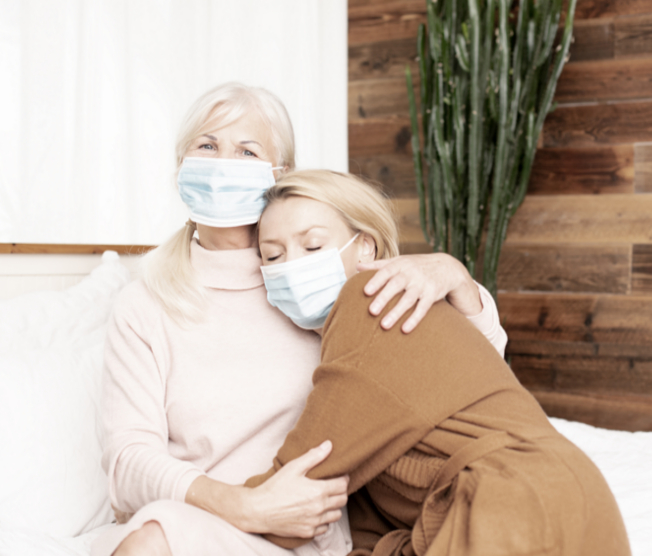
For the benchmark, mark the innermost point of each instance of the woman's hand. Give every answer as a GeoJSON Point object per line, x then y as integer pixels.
{"type": "Point", "coordinates": [291, 505]}
{"type": "Point", "coordinates": [425, 279]}
{"type": "Point", "coordinates": [288, 504]}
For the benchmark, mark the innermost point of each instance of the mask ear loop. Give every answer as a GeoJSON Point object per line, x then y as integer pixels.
{"type": "Point", "coordinates": [350, 242]}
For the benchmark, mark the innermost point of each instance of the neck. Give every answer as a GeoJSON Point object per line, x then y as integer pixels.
{"type": "Point", "coordinates": [216, 239]}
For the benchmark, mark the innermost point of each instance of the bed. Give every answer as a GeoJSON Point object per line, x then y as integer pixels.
{"type": "Point", "coordinates": [53, 314]}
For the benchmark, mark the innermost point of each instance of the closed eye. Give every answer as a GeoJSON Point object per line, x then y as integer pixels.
{"type": "Point", "coordinates": [270, 259]}
{"type": "Point", "coordinates": [313, 248]}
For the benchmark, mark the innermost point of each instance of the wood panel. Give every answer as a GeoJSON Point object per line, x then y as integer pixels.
{"type": "Point", "coordinates": [409, 225]}
{"type": "Point", "coordinates": [564, 219]}
{"type": "Point", "coordinates": [605, 80]}
{"type": "Point", "coordinates": [633, 35]}
{"type": "Point", "coordinates": [599, 124]}
{"type": "Point", "coordinates": [642, 269]}
{"type": "Point", "coordinates": [592, 9]}
{"type": "Point", "coordinates": [596, 374]}
{"type": "Point", "coordinates": [394, 171]}
{"type": "Point", "coordinates": [584, 318]}
{"type": "Point", "coordinates": [569, 268]}
{"type": "Point", "coordinates": [377, 79]}
{"type": "Point", "coordinates": [592, 40]}
{"type": "Point", "coordinates": [557, 268]}
{"type": "Point", "coordinates": [618, 412]}
{"type": "Point", "coordinates": [583, 218]}
{"type": "Point", "coordinates": [34, 248]}
{"type": "Point", "coordinates": [379, 136]}
{"type": "Point", "coordinates": [382, 59]}
{"type": "Point", "coordinates": [382, 21]}
{"type": "Point", "coordinates": [374, 98]}
{"type": "Point", "coordinates": [582, 171]}
{"type": "Point", "coordinates": [578, 349]}
{"type": "Point", "coordinates": [415, 248]}
{"type": "Point", "coordinates": [643, 168]}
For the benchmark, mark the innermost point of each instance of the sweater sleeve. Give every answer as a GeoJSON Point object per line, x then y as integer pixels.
{"type": "Point", "coordinates": [135, 456]}
{"type": "Point", "coordinates": [488, 321]}
{"type": "Point", "coordinates": [377, 393]}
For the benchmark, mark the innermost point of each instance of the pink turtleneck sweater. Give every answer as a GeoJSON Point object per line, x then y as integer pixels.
{"type": "Point", "coordinates": [217, 398]}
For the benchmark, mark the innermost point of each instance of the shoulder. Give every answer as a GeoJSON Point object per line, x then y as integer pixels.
{"type": "Point", "coordinates": [352, 302]}
{"type": "Point", "coordinates": [136, 305]}
{"type": "Point", "coordinates": [353, 305]}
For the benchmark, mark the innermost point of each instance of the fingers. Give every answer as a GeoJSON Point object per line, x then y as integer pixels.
{"type": "Point", "coordinates": [420, 311]}
{"type": "Point", "coordinates": [394, 286]}
{"type": "Point", "coordinates": [319, 531]}
{"type": "Point", "coordinates": [311, 458]}
{"type": "Point", "coordinates": [333, 487]}
{"type": "Point", "coordinates": [336, 502]}
{"type": "Point", "coordinates": [331, 517]}
{"type": "Point", "coordinates": [378, 280]}
{"type": "Point", "coordinates": [373, 265]}
{"type": "Point", "coordinates": [407, 301]}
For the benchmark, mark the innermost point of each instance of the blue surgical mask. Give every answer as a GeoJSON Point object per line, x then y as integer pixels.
{"type": "Point", "coordinates": [224, 193]}
{"type": "Point", "coordinates": [305, 289]}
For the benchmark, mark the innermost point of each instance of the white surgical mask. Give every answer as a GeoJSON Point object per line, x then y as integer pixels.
{"type": "Point", "coordinates": [224, 193]}
{"type": "Point", "coordinates": [305, 289]}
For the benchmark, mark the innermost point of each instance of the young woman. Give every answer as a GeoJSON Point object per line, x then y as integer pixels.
{"type": "Point", "coordinates": [447, 453]}
{"type": "Point", "coordinates": [204, 379]}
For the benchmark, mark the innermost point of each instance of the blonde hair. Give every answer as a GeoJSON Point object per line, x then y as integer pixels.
{"type": "Point", "coordinates": [363, 207]}
{"type": "Point", "coordinates": [167, 271]}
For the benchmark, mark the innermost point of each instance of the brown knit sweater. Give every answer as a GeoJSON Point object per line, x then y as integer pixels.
{"type": "Point", "coordinates": [446, 451]}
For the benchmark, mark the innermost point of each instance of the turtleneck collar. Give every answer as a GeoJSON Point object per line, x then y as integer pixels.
{"type": "Point", "coordinates": [229, 269]}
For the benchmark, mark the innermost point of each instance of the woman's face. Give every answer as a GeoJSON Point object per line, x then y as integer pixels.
{"type": "Point", "coordinates": [297, 226]}
{"type": "Point", "coordinates": [246, 138]}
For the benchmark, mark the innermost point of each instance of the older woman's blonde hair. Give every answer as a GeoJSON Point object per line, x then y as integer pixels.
{"type": "Point", "coordinates": [167, 271]}
{"type": "Point", "coordinates": [363, 207]}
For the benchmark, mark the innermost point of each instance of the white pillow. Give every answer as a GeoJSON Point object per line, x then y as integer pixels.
{"type": "Point", "coordinates": [51, 348]}
{"type": "Point", "coordinates": [624, 459]}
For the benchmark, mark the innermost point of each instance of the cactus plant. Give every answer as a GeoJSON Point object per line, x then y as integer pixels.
{"type": "Point", "coordinates": [488, 72]}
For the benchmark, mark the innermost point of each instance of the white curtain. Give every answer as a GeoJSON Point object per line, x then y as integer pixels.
{"type": "Point", "coordinates": [92, 93]}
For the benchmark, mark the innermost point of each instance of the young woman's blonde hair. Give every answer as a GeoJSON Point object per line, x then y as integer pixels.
{"type": "Point", "coordinates": [363, 207]}
{"type": "Point", "coordinates": [167, 271]}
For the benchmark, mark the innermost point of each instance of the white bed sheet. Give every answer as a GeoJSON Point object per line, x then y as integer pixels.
{"type": "Point", "coordinates": [624, 458]}
{"type": "Point", "coordinates": [16, 542]}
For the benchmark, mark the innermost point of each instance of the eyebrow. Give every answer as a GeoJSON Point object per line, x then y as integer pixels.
{"type": "Point", "coordinates": [241, 142]}
{"type": "Point", "coordinates": [302, 233]}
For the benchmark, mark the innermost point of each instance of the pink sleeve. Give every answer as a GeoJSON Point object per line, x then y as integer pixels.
{"type": "Point", "coordinates": [488, 321]}
{"type": "Point", "coordinates": [135, 457]}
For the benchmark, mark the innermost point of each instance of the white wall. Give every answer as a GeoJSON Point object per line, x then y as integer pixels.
{"type": "Point", "coordinates": [92, 92]}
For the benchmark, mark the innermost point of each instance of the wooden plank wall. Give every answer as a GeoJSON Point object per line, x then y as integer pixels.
{"type": "Point", "coordinates": [576, 271]}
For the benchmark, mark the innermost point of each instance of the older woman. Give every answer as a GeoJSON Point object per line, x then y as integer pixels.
{"type": "Point", "coordinates": [447, 453]}
{"type": "Point", "coordinates": [204, 379]}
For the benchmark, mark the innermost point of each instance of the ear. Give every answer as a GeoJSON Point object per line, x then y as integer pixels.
{"type": "Point", "coordinates": [278, 174]}
{"type": "Point", "coordinates": [367, 250]}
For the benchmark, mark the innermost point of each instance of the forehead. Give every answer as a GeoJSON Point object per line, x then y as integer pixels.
{"type": "Point", "coordinates": [250, 124]}
{"type": "Point", "coordinates": [296, 214]}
